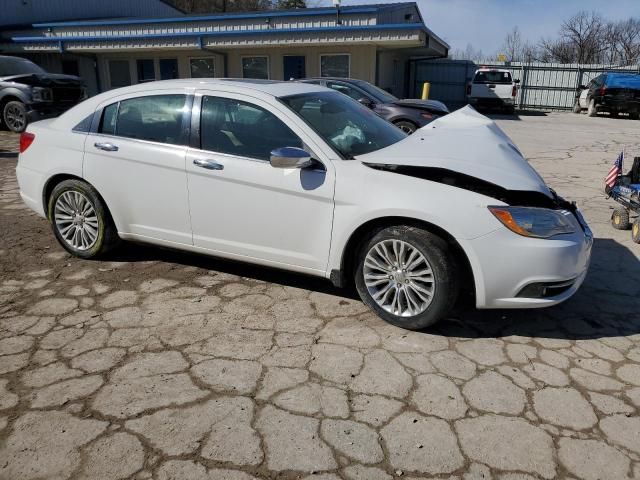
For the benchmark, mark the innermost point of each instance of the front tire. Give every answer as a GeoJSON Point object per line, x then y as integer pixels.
{"type": "Point", "coordinates": [406, 126]}
{"type": "Point", "coordinates": [407, 276]}
{"type": "Point", "coordinates": [592, 111]}
{"type": "Point", "coordinates": [14, 116]}
{"type": "Point", "coordinates": [620, 219]}
{"type": "Point", "coordinates": [80, 219]}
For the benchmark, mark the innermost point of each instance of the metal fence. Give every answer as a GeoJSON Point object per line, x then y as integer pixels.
{"type": "Point", "coordinates": [543, 86]}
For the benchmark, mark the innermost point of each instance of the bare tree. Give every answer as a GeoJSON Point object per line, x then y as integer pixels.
{"type": "Point", "coordinates": [624, 41]}
{"type": "Point", "coordinates": [584, 33]}
{"type": "Point", "coordinates": [512, 47]}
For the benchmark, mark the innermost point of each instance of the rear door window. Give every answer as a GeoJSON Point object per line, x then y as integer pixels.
{"type": "Point", "coordinates": [157, 118]}
{"type": "Point", "coordinates": [492, 77]}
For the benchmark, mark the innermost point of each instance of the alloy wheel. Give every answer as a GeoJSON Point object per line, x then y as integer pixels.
{"type": "Point", "coordinates": [399, 278]}
{"type": "Point", "coordinates": [15, 118]}
{"type": "Point", "coordinates": [76, 220]}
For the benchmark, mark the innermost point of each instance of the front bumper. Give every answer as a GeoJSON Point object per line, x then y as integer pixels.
{"type": "Point", "coordinates": [508, 267]}
{"type": "Point", "coordinates": [492, 102]}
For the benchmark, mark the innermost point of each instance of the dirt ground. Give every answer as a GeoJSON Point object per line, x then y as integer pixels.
{"type": "Point", "coordinates": [159, 364]}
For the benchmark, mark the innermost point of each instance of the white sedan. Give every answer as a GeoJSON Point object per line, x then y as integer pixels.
{"type": "Point", "coordinates": [302, 178]}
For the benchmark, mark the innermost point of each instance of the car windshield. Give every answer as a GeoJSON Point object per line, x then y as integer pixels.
{"type": "Point", "coordinates": [381, 95]}
{"type": "Point", "coordinates": [349, 127]}
{"type": "Point", "coordinates": [492, 77]}
{"type": "Point", "coordinates": [17, 66]}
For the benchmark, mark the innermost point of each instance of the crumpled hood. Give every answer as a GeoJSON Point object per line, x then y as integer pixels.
{"type": "Point", "coordinates": [465, 142]}
{"type": "Point", "coordinates": [44, 79]}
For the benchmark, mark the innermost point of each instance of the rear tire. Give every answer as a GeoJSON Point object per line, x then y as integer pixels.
{"type": "Point", "coordinates": [620, 219]}
{"type": "Point", "coordinates": [416, 296]}
{"type": "Point", "coordinates": [80, 219]}
{"type": "Point", "coordinates": [406, 126]}
{"type": "Point", "coordinates": [592, 111]}
{"type": "Point", "coordinates": [14, 116]}
{"type": "Point", "coordinates": [635, 231]}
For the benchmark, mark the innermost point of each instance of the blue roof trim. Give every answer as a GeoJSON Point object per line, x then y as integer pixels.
{"type": "Point", "coordinates": [389, 26]}
{"type": "Point", "coordinates": [238, 16]}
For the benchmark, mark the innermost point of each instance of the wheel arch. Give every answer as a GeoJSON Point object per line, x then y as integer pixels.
{"type": "Point", "coordinates": [61, 177]}
{"type": "Point", "coordinates": [343, 276]}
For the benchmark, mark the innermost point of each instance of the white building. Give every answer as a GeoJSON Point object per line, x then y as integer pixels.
{"type": "Point", "coordinates": [371, 42]}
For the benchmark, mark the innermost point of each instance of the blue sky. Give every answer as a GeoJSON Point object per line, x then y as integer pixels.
{"type": "Point", "coordinates": [484, 23]}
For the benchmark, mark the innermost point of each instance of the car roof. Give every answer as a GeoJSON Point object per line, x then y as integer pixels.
{"type": "Point", "coordinates": [274, 88]}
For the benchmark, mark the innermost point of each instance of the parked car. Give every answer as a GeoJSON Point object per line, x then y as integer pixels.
{"type": "Point", "coordinates": [407, 114]}
{"type": "Point", "coordinates": [493, 88]}
{"type": "Point", "coordinates": [301, 177]}
{"type": "Point", "coordinates": [610, 92]}
{"type": "Point", "coordinates": [28, 93]}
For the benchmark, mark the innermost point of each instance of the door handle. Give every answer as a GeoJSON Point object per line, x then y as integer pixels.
{"type": "Point", "coordinates": [208, 164]}
{"type": "Point", "coordinates": [492, 86]}
{"type": "Point", "coordinates": [107, 147]}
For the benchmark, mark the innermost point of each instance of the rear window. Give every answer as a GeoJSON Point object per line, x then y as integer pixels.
{"type": "Point", "coordinates": [492, 77]}
{"type": "Point", "coordinates": [623, 81]}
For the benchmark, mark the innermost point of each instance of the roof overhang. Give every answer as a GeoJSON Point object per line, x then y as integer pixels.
{"type": "Point", "coordinates": [386, 35]}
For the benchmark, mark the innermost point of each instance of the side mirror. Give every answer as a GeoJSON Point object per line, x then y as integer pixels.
{"type": "Point", "coordinates": [290, 157]}
{"type": "Point", "coordinates": [582, 87]}
{"type": "Point", "coordinates": [517, 80]}
{"type": "Point", "coordinates": [366, 102]}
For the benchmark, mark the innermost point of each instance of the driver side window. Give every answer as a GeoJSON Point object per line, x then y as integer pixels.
{"type": "Point", "coordinates": [242, 129]}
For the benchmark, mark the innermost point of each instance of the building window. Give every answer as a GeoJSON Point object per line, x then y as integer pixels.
{"type": "Point", "coordinates": [255, 67]}
{"type": "Point", "coordinates": [146, 70]}
{"type": "Point", "coordinates": [119, 74]}
{"type": "Point", "coordinates": [70, 67]}
{"type": "Point", "coordinates": [202, 67]}
{"type": "Point", "coordinates": [335, 65]}
{"type": "Point", "coordinates": [168, 68]}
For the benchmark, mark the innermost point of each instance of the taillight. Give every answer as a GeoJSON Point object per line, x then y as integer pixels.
{"type": "Point", "coordinates": [603, 90]}
{"type": "Point", "coordinates": [514, 91]}
{"type": "Point", "coordinates": [26, 139]}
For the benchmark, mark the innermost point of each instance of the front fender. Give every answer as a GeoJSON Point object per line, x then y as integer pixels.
{"type": "Point", "coordinates": [14, 92]}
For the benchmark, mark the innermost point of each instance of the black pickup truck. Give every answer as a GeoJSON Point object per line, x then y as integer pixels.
{"type": "Point", "coordinates": [611, 92]}
{"type": "Point", "coordinates": [28, 93]}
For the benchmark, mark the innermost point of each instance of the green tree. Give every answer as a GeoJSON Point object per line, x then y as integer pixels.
{"type": "Point", "coordinates": [290, 4]}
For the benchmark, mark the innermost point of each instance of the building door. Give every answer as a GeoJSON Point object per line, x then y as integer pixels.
{"type": "Point", "coordinates": [294, 67]}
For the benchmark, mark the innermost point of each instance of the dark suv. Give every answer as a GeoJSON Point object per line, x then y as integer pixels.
{"type": "Point", "coordinates": [408, 115]}
{"type": "Point", "coordinates": [610, 92]}
{"type": "Point", "coordinates": [28, 93]}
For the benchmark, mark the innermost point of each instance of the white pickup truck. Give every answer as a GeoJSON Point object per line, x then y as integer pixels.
{"type": "Point", "coordinates": [493, 88]}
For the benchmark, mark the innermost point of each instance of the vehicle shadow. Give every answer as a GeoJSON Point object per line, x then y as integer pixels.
{"type": "Point", "coordinates": [607, 304]}
{"type": "Point", "coordinates": [517, 116]}
{"type": "Point", "coordinates": [133, 252]}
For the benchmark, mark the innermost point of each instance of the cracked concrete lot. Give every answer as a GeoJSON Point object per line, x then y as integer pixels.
{"type": "Point", "coordinates": [158, 364]}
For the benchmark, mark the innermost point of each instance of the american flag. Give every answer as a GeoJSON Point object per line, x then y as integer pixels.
{"type": "Point", "coordinates": [612, 176]}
